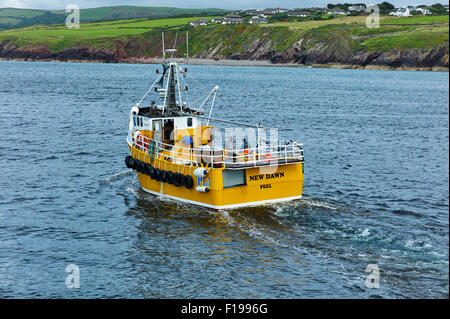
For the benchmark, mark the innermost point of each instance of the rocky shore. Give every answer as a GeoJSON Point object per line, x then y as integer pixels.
{"type": "Point", "coordinates": [320, 55]}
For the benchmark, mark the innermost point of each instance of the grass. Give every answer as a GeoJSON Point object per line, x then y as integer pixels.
{"type": "Point", "coordinates": [424, 37]}
{"type": "Point", "coordinates": [305, 25]}
{"type": "Point", "coordinates": [416, 20]}
{"type": "Point", "coordinates": [144, 34]}
{"type": "Point", "coordinates": [28, 17]}
{"type": "Point", "coordinates": [57, 37]}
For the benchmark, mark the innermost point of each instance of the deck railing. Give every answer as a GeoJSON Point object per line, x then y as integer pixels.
{"type": "Point", "coordinates": [266, 154]}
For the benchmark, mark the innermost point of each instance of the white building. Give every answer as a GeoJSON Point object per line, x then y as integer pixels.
{"type": "Point", "coordinates": [359, 7]}
{"type": "Point", "coordinates": [257, 19]}
{"type": "Point", "coordinates": [424, 11]}
{"type": "Point", "coordinates": [199, 22]}
{"type": "Point", "coordinates": [401, 12]}
{"type": "Point", "coordinates": [337, 11]}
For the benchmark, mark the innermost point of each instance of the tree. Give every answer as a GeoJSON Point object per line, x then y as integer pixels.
{"type": "Point", "coordinates": [331, 6]}
{"type": "Point", "coordinates": [438, 6]}
{"type": "Point", "coordinates": [386, 7]}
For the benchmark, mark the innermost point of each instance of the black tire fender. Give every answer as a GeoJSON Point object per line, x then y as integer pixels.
{"type": "Point", "coordinates": [170, 177]}
{"type": "Point", "coordinates": [188, 181]}
{"type": "Point", "coordinates": [178, 179]}
{"type": "Point", "coordinates": [151, 172]}
{"type": "Point", "coordinates": [158, 174]}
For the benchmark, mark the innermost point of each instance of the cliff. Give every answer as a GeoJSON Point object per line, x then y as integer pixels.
{"type": "Point", "coordinates": [340, 44]}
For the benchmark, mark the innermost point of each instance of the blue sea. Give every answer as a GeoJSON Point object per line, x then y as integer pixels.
{"type": "Point", "coordinates": [376, 188]}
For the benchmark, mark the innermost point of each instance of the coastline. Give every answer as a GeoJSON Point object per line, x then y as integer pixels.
{"type": "Point", "coordinates": [229, 62]}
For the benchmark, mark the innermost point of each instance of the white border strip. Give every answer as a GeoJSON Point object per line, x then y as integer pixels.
{"type": "Point", "coordinates": [249, 204]}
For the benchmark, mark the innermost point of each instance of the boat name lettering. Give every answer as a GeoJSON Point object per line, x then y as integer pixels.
{"type": "Point", "coordinates": [267, 176]}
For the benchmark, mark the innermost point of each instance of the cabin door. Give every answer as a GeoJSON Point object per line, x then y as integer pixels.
{"type": "Point", "coordinates": [157, 131]}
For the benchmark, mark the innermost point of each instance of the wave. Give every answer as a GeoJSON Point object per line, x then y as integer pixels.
{"type": "Point", "coordinates": [116, 176]}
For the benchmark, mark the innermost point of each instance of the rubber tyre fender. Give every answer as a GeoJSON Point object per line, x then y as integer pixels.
{"type": "Point", "coordinates": [127, 163]}
{"type": "Point", "coordinates": [164, 176]}
{"type": "Point", "coordinates": [158, 174]}
{"type": "Point", "coordinates": [132, 163]}
{"type": "Point", "coordinates": [178, 179]}
{"type": "Point", "coordinates": [146, 169]}
{"type": "Point", "coordinates": [151, 172]}
{"type": "Point", "coordinates": [188, 181]}
{"type": "Point", "coordinates": [137, 165]}
{"type": "Point", "coordinates": [170, 177]}
{"type": "Point", "coordinates": [141, 167]}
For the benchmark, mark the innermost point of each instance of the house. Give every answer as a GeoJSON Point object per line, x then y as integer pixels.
{"type": "Point", "coordinates": [357, 7]}
{"type": "Point", "coordinates": [231, 19]}
{"type": "Point", "coordinates": [424, 11]}
{"type": "Point", "coordinates": [299, 14]}
{"type": "Point", "coordinates": [252, 12]}
{"type": "Point", "coordinates": [400, 12]}
{"type": "Point", "coordinates": [199, 22]}
{"type": "Point", "coordinates": [317, 9]}
{"type": "Point", "coordinates": [274, 10]}
{"type": "Point", "coordinates": [337, 11]}
{"type": "Point", "coordinates": [257, 19]}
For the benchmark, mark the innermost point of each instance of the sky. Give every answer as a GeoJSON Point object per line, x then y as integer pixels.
{"type": "Point", "coordinates": [229, 4]}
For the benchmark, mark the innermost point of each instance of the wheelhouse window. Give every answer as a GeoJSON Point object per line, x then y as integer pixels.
{"type": "Point", "coordinates": [189, 121]}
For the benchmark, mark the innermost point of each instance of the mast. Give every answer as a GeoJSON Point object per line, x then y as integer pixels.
{"type": "Point", "coordinates": [171, 99]}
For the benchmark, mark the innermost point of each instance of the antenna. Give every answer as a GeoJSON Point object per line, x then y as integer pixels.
{"type": "Point", "coordinates": [187, 47]}
{"type": "Point", "coordinates": [164, 52]}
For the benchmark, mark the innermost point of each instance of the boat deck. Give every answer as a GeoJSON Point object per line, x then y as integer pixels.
{"type": "Point", "coordinates": [280, 154]}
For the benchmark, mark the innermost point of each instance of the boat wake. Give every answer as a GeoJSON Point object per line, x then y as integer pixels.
{"type": "Point", "coordinates": [115, 177]}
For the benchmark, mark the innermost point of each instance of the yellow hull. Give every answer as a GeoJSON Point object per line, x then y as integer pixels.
{"type": "Point", "coordinates": [263, 185]}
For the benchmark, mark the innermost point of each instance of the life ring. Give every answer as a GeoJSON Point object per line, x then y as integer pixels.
{"type": "Point", "coordinates": [178, 179]}
{"type": "Point", "coordinates": [138, 139]}
{"type": "Point", "coordinates": [145, 142]}
{"type": "Point", "coordinates": [188, 181]}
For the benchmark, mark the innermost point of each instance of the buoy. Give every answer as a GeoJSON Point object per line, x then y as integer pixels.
{"type": "Point", "coordinates": [134, 110]}
{"type": "Point", "coordinates": [202, 189]}
{"type": "Point", "coordinates": [200, 172]}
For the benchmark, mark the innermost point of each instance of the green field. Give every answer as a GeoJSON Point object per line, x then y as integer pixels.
{"type": "Point", "coordinates": [343, 34]}
{"type": "Point", "coordinates": [13, 18]}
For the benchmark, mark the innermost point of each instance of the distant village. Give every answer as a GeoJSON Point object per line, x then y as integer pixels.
{"type": "Point", "coordinates": [255, 16]}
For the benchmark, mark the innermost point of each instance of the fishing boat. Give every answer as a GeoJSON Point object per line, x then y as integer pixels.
{"type": "Point", "coordinates": [179, 154]}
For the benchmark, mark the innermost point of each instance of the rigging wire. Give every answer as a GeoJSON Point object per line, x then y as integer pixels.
{"type": "Point", "coordinates": [220, 98]}
{"type": "Point", "coordinates": [148, 91]}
